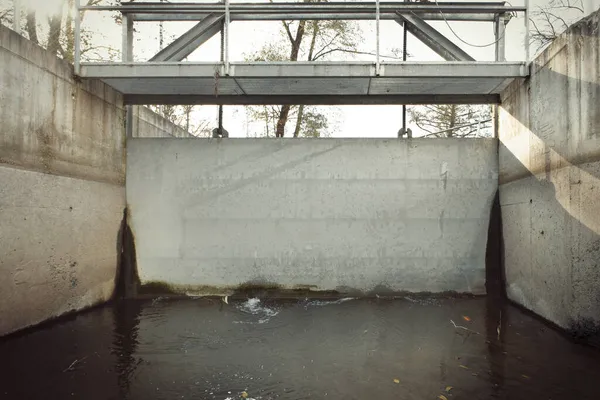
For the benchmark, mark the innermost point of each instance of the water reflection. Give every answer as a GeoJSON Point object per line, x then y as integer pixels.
{"type": "Point", "coordinates": [125, 340]}
{"type": "Point", "coordinates": [352, 349]}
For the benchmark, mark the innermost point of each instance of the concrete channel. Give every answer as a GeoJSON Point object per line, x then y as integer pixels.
{"type": "Point", "coordinates": [296, 269]}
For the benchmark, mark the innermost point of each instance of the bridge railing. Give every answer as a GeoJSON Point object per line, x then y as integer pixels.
{"type": "Point", "coordinates": [217, 16]}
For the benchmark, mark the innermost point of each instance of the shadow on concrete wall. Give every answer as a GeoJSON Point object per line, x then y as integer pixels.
{"type": "Point", "coordinates": [581, 323]}
{"type": "Point", "coordinates": [494, 255]}
{"type": "Point", "coordinates": [550, 153]}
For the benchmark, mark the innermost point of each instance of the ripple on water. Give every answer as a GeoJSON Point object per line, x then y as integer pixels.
{"type": "Point", "coordinates": [255, 307]}
{"type": "Point", "coordinates": [321, 303]}
{"type": "Point", "coordinates": [309, 349]}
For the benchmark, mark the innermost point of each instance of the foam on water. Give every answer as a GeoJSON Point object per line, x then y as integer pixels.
{"type": "Point", "coordinates": [255, 307]}
{"type": "Point", "coordinates": [320, 303]}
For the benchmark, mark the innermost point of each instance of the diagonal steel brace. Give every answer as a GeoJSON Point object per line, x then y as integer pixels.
{"type": "Point", "coordinates": [432, 38]}
{"type": "Point", "coordinates": [185, 44]}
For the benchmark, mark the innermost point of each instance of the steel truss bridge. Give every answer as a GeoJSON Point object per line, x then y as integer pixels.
{"type": "Point", "coordinates": [167, 79]}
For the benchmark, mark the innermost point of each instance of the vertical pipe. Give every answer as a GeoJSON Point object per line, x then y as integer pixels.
{"type": "Point", "coordinates": [496, 45]}
{"type": "Point", "coordinates": [17, 16]}
{"type": "Point", "coordinates": [127, 56]}
{"type": "Point", "coordinates": [222, 59]}
{"type": "Point", "coordinates": [227, 21]}
{"type": "Point", "coordinates": [377, 37]}
{"type": "Point", "coordinates": [128, 122]}
{"type": "Point", "coordinates": [495, 120]}
{"type": "Point", "coordinates": [127, 39]}
{"type": "Point", "coordinates": [527, 31]}
{"type": "Point", "coordinates": [76, 58]}
{"type": "Point", "coordinates": [221, 119]}
{"type": "Point", "coordinates": [500, 34]}
{"type": "Point", "coordinates": [124, 45]}
{"type": "Point", "coordinates": [404, 47]}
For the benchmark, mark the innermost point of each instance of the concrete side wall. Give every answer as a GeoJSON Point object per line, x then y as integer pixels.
{"type": "Point", "coordinates": [59, 241]}
{"type": "Point", "coordinates": [148, 124]}
{"type": "Point", "coordinates": [549, 129]}
{"type": "Point", "coordinates": [62, 196]}
{"type": "Point", "coordinates": [342, 214]}
{"type": "Point", "coordinates": [62, 175]}
{"type": "Point", "coordinates": [52, 124]}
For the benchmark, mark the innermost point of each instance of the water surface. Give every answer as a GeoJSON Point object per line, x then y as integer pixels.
{"type": "Point", "coordinates": [346, 349]}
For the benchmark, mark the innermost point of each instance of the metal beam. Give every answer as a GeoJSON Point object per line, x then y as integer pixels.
{"type": "Point", "coordinates": [433, 39]}
{"type": "Point", "coordinates": [286, 70]}
{"type": "Point", "coordinates": [500, 36]}
{"type": "Point", "coordinates": [126, 56]}
{"type": "Point", "coordinates": [389, 16]}
{"type": "Point", "coordinates": [317, 8]}
{"type": "Point", "coordinates": [312, 99]}
{"type": "Point", "coordinates": [77, 38]}
{"type": "Point", "coordinates": [127, 39]}
{"type": "Point", "coordinates": [527, 39]}
{"type": "Point", "coordinates": [185, 44]}
{"type": "Point", "coordinates": [312, 9]}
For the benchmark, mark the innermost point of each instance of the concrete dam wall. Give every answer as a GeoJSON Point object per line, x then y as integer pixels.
{"type": "Point", "coordinates": [368, 216]}
{"type": "Point", "coordinates": [549, 130]}
{"type": "Point", "coordinates": [62, 178]}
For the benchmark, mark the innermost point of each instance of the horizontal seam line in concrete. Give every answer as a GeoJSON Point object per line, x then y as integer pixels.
{"type": "Point", "coordinates": [88, 179]}
{"type": "Point", "coordinates": [335, 217]}
{"type": "Point", "coordinates": [514, 204]}
{"type": "Point", "coordinates": [395, 259]}
{"type": "Point", "coordinates": [329, 179]}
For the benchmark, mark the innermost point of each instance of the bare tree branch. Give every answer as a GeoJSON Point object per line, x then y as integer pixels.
{"type": "Point", "coordinates": [551, 20]}
{"type": "Point", "coordinates": [288, 31]}
{"type": "Point", "coordinates": [318, 53]}
{"type": "Point", "coordinates": [353, 52]}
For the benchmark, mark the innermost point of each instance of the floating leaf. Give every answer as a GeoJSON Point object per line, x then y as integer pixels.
{"type": "Point", "coordinates": [442, 397]}
{"type": "Point", "coordinates": [466, 318]}
{"type": "Point", "coordinates": [244, 395]}
{"type": "Point", "coordinates": [463, 366]}
{"type": "Point", "coordinates": [449, 388]}
{"type": "Point", "coordinates": [396, 380]}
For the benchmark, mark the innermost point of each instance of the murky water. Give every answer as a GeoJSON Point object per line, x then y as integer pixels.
{"type": "Point", "coordinates": [347, 349]}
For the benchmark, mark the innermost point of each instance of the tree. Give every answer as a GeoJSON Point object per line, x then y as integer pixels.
{"type": "Point", "coordinates": [310, 41]}
{"type": "Point", "coordinates": [312, 123]}
{"type": "Point", "coordinates": [449, 118]}
{"type": "Point", "coordinates": [550, 20]}
{"type": "Point", "coordinates": [57, 34]}
{"type": "Point", "coordinates": [325, 38]}
{"type": "Point", "coordinates": [6, 15]}
{"type": "Point", "coordinates": [183, 116]}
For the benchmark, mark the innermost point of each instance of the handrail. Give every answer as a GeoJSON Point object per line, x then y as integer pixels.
{"type": "Point", "coordinates": [300, 8]}
{"type": "Point", "coordinates": [368, 10]}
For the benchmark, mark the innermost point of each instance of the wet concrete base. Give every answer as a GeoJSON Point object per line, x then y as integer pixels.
{"type": "Point", "coordinates": [410, 348]}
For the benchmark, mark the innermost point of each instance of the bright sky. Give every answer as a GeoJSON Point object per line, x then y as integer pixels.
{"type": "Point", "coordinates": [246, 37]}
